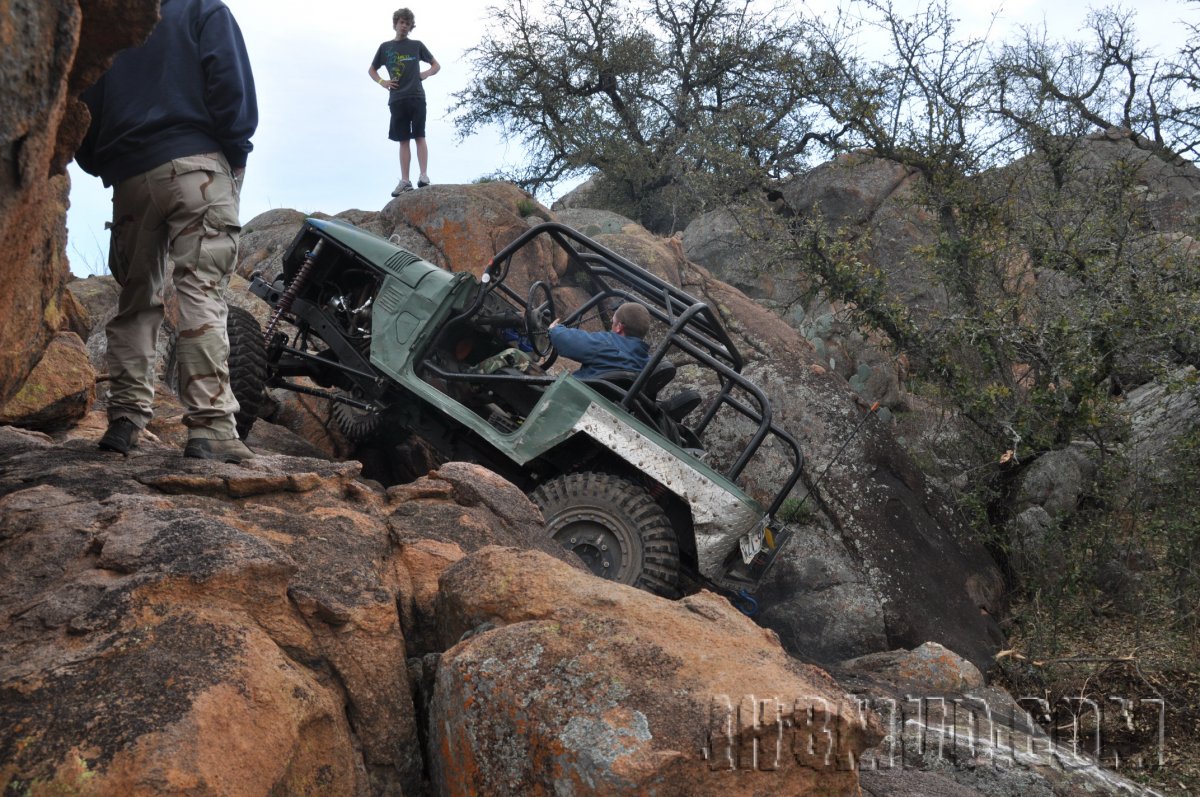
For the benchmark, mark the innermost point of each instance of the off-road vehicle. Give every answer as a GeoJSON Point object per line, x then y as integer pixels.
{"type": "Point", "coordinates": [618, 464]}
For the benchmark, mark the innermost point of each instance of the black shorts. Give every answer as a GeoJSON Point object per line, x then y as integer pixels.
{"type": "Point", "coordinates": [408, 119]}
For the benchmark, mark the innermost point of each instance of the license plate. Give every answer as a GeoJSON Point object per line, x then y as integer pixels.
{"type": "Point", "coordinates": [752, 542]}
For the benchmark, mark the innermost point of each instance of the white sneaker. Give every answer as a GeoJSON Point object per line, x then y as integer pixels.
{"type": "Point", "coordinates": [422, 181]}
{"type": "Point", "coordinates": [401, 187]}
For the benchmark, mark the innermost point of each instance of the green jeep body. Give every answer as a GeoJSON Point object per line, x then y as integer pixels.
{"type": "Point", "coordinates": [399, 342]}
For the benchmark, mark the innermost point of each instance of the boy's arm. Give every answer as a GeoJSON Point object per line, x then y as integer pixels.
{"type": "Point", "coordinates": [427, 57]}
{"type": "Point", "coordinates": [374, 73]}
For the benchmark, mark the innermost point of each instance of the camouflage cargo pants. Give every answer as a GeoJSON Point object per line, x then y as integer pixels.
{"type": "Point", "coordinates": [185, 210]}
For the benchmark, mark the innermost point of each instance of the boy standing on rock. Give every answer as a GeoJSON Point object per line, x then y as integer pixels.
{"type": "Point", "coordinates": [406, 97]}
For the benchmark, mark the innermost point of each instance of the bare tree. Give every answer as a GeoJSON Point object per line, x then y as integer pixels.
{"type": "Point", "coordinates": [663, 97]}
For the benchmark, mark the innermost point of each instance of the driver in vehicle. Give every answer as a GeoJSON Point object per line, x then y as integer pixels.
{"type": "Point", "coordinates": [622, 349]}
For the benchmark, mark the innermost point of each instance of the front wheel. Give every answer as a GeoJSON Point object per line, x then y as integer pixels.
{"type": "Point", "coordinates": [618, 530]}
{"type": "Point", "coordinates": [247, 367]}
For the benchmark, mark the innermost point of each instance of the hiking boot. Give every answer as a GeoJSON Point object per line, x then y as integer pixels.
{"type": "Point", "coordinates": [234, 450]}
{"type": "Point", "coordinates": [401, 187]}
{"type": "Point", "coordinates": [122, 435]}
{"type": "Point", "coordinates": [423, 181]}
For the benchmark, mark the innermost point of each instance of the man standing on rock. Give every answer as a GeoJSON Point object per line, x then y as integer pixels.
{"type": "Point", "coordinates": [170, 131]}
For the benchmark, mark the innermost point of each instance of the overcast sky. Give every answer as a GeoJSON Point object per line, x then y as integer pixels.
{"type": "Point", "coordinates": [322, 141]}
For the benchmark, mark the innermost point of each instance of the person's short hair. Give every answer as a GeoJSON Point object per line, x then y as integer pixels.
{"type": "Point", "coordinates": [635, 318]}
{"type": "Point", "coordinates": [405, 14]}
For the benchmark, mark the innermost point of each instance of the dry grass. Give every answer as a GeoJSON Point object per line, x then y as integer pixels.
{"type": "Point", "coordinates": [1080, 653]}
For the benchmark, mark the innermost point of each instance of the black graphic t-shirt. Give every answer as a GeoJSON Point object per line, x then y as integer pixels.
{"type": "Point", "coordinates": [403, 61]}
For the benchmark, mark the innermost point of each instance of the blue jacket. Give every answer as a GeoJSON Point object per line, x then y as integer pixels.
{"type": "Point", "coordinates": [599, 352]}
{"type": "Point", "coordinates": [187, 90]}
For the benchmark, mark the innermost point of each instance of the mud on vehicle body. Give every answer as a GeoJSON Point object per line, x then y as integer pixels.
{"type": "Point", "coordinates": [616, 463]}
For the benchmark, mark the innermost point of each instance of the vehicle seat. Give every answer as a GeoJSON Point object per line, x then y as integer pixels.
{"type": "Point", "coordinates": [681, 404]}
{"type": "Point", "coordinates": [662, 375]}
{"type": "Point", "coordinates": [611, 384]}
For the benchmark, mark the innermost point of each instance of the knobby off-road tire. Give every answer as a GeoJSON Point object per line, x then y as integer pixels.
{"type": "Point", "coordinates": [615, 527]}
{"type": "Point", "coordinates": [247, 366]}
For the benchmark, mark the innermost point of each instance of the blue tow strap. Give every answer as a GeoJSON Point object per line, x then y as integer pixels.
{"type": "Point", "coordinates": [746, 603]}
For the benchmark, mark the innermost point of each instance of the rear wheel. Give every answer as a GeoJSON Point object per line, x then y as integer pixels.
{"type": "Point", "coordinates": [618, 530]}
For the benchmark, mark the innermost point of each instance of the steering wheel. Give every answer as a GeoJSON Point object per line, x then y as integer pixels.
{"type": "Point", "coordinates": [538, 315]}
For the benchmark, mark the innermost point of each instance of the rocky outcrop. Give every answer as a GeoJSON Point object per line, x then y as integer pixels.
{"type": "Point", "coordinates": [461, 227]}
{"type": "Point", "coordinates": [581, 196]}
{"type": "Point", "coordinates": [880, 564]}
{"type": "Point", "coordinates": [619, 692]}
{"type": "Point", "coordinates": [1160, 415]}
{"type": "Point", "coordinates": [184, 627]}
{"type": "Point", "coordinates": [857, 197]}
{"type": "Point", "coordinates": [879, 201]}
{"type": "Point", "coordinates": [59, 391]}
{"type": "Point", "coordinates": [98, 296]}
{"type": "Point", "coordinates": [1047, 493]}
{"type": "Point", "coordinates": [51, 52]}
{"type": "Point", "coordinates": [182, 623]}
{"type": "Point", "coordinates": [1165, 192]}
{"type": "Point", "coordinates": [178, 625]}
{"type": "Point", "coordinates": [1145, 232]}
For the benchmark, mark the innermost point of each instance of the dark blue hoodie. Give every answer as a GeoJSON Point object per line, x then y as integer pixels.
{"type": "Point", "coordinates": [187, 90]}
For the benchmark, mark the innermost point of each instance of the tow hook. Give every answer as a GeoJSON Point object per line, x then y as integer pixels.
{"type": "Point", "coordinates": [745, 603]}
{"type": "Point", "coordinates": [738, 597]}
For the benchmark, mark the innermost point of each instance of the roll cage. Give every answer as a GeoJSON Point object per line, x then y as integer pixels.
{"type": "Point", "coordinates": [692, 331]}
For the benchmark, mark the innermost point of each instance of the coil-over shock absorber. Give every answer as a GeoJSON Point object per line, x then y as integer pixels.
{"type": "Point", "coordinates": [293, 289]}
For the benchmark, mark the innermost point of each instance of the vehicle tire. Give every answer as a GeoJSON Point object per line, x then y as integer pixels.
{"type": "Point", "coordinates": [618, 530]}
{"type": "Point", "coordinates": [247, 366]}
{"type": "Point", "coordinates": [356, 424]}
